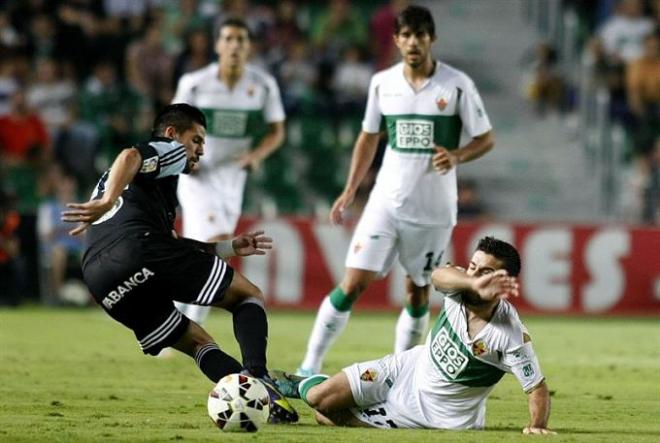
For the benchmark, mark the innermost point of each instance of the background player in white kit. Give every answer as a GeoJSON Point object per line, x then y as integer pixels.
{"type": "Point", "coordinates": [443, 383]}
{"type": "Point", "coordinates": [412, 209]}
{"type": "Point", "coordinates": [236, 98]}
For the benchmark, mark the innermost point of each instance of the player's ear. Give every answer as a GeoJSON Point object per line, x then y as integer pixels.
{"type": "Point", "coordinates": [216, 47]}
{"type": "Point", "coordinates": [170, 132]}
{"type": "Point", "coordinates": [394, 39]}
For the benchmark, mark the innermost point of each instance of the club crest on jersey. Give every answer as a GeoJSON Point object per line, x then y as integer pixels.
{"type": "Point", "coordinates": [479, 347]}
{"type": "Point", "coordinates": [442, 104]}
{"type": "Point", "coordinates": [369, 375]}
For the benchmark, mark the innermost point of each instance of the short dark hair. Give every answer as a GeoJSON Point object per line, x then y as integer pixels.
{"type": "Point", "coordinates": [181, 116]}
{"type": "Point", "coordinates": [417, 18]}
{"type": "Point", "coordinates": [502, 251]}
{"type": "Point", "coordinates": [235, 22]}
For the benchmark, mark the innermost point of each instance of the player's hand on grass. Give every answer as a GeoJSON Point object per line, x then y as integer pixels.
{"type": "Point", "coordinates": [252, 243]}
{"type": "Point", "coordinates": [530, 430]}
{"type": "Point", "coordinates": [339, 206]}
{"type": "Point", "coordinates": [85, 214]}
{"type": "Point", "coordinates": [443, 160]}
{"type": "Point", "coordinates": [497, 284]}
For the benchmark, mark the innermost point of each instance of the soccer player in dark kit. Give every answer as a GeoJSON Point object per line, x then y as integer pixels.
{"type": "Point", "coordinates": [136, 266]}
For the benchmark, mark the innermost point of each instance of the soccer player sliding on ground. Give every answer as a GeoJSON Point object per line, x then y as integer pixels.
{"type": "Point", "coordinates": [445, 382]}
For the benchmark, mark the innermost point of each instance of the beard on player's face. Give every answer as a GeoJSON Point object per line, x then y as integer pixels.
{"type": "Point", "coordinates": [473, 300]}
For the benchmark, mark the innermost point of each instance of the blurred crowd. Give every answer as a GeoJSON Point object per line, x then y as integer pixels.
{"type": "Point", "coordinates": [620, 41]}
{"type": "Point", "coordinates": [81, 79]}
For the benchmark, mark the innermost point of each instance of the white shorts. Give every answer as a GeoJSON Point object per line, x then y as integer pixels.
{"type": "Point", "coordinates": [372, 383]}
{"type": "Point", "coordinates": [211, 205]}
{"type": "Point", "coordinates": [379, 238]}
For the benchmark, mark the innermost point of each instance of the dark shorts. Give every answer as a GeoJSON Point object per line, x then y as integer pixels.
{"type": "Point", "coordinates": [137, 278]}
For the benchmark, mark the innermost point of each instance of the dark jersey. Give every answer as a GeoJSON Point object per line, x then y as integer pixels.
{"type": "Point", "coordinates": [148, 203]}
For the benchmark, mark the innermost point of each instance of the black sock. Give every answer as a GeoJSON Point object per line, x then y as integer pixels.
{"type": "Point", "coordinates": [251, 331]}
{"type": "Point", "coordinates": [214, 363]}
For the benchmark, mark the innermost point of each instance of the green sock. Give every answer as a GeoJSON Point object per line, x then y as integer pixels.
{"type": "Point", "coordinates": [417, 311]}
{"type": "Point", "coordinates": [309, 383]}
{"type": "Point", "coordinates": [340, 300]}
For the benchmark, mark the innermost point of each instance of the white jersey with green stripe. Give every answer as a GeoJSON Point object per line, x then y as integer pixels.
{"type": "Point", "coordinates": [416, 121]}
{"type": "Point", "coordinates": [454, 373]}
{"type": "Point", "coordinates": [234, 116]}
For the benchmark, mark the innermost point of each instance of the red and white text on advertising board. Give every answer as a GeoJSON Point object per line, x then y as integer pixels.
{"type": "Point", "coordinates": [583, 269]}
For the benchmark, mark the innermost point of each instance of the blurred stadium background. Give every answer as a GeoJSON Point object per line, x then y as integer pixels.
{"type": "Point", "coordinates": [571, 87]}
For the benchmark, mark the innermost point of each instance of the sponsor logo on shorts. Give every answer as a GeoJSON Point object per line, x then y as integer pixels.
{"type": "Point", "coordinates": [149, 165]}
{"type": "Point", "coordinates": [447, 355]}
{"type": "Point", "coordinates": [528, 370]}
{"type": "Point", "coordinates": [369, 375]}
{"type": "Point", "coordinates": [357, 247]}
{"type": "Point", "coordinates": [414, 134]}
{"type": "Point", "coordinates": [127, 286]}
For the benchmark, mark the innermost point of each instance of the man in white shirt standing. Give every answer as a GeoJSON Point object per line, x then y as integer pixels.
{"type": "Point", "coordinates": [236, 98]}
{"type": "Point", "coordinates": [423, 104]}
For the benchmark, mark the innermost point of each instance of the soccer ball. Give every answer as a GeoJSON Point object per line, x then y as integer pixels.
{"type": "Point", "coordinates": [239, 403]}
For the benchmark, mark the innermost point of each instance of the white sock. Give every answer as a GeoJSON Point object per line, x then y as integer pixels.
{"type": "Point", "coordinates": [410, 330]}
{"type": "Point", "coordinates": [196, 313]}
{"type": "Point", "coordinates": [329, 324]}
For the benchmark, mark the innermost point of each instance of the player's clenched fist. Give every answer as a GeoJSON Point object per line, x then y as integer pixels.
{"type": "Point", "coordinates": [339, 206]}
{"type": "Point", "coordinates": [443, 160]}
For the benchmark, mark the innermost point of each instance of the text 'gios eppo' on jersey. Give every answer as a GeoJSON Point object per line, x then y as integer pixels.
{"type": "Point", "coordinates": [148, 203]}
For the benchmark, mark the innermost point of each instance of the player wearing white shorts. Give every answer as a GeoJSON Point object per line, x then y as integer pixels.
{"type": "Point", "coordinates": [424, 105]}
{"type": "Point", "coordinates": [237, 99]}
{"type": "Point", "coordinates": [445, 382]}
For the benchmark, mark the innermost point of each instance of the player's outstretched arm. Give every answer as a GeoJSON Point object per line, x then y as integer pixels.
{"type": "Point", "coordinates": [539, 411]}
{"type": "Point", "coordinates": [488, 287]}
{"type": "Point", "coordinates": [243, 245]}
{"type": "Point", "coordinates": [123, 170]}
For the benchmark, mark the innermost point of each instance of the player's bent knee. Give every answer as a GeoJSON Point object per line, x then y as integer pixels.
{"type": "Point", "coordinates": [353, 288]}
{"type": "Point", "coordinates": [194, 338]}
{"type": "Point", "coordinates": [241, 290]}
{"type": "Point", "coordinates": [356, 281]}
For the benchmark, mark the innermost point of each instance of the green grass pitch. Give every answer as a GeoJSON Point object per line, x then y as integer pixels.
{"type": "Point", "coordinates": [75, 375]}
